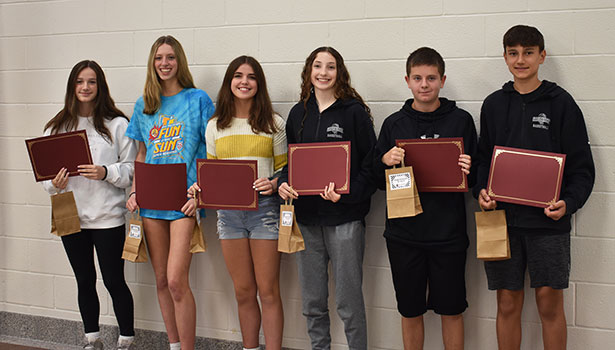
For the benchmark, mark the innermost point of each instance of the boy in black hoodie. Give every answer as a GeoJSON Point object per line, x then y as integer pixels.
{"type": "Point", "coordinates": [429, 248]}
{"type": "Point", "coordinates": [537, 115]}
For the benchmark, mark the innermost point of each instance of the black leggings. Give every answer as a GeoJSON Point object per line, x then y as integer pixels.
{"type": "Point", "coordinates": [109, 244]}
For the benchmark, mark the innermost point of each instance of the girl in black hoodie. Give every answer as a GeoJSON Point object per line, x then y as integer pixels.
{"type": "Point", "coordinates": [332, 225]}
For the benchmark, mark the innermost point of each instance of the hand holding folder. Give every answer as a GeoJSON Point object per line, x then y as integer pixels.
{"type": "Point", "coordinates": [435, 163]}
{"type": "Point", "coordinates": [312, 167]}
{"type": "Point", "coordinates": [49, 154]}
{"type": "Point", "coordinates": [160, 186]}
{"type": "Point", "coordinates": [525, 177]}
{"type": "Point", "coordinates": [227, 184]}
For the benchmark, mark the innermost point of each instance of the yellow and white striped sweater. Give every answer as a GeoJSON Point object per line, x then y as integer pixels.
{"type": "Point", "coordinates": [238, 141]}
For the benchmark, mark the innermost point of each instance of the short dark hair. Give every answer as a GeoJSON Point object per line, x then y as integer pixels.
{"type": "Point", "coordinates": [525, 36]}
{"type": "Point", "coordinates": [425, 56]}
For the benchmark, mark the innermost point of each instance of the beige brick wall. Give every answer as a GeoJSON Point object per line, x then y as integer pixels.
{"type": "Point", "coordinates": [41, 40]}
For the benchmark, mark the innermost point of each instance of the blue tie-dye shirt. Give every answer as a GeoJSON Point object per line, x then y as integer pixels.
{"type": "Point", "coordinates": [175, 133]}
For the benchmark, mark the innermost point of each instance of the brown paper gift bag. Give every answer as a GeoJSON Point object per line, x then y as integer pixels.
{"type": "Point", "coordinates": [64, 215]}
{"type": "Point", "coordinates": [402, 194]}
{"type": "Point", "coordinates": [197, 242]}
{"type": "Point", "coordinates": [290, 239]}
{"type": "Point", "coordinates": [492, 235]}
{"type": "Point", "coordinates": [134, 246]}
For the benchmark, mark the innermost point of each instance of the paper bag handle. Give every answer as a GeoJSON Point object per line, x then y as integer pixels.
{"type": "Point", "coordinates": [483, 210]}
{"type": "Point", "coordinates": [196, 199]}
{"type": "Point", "coordinates": [286, 201]}
{"type": "Point", "coordinates": [138, 212]}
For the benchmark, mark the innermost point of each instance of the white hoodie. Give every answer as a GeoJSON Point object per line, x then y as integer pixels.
{"type": "Point", "coordinates": [101, 204]}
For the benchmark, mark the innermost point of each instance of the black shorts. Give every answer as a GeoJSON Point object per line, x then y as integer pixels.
{"type": "Point", "coordinates": [547, 258]}
{"type": "Point", "coordinates": [414, 268]}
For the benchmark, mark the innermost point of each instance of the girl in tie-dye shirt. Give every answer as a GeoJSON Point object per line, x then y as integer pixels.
{"type": "Point", "coordinates": [169, 123]}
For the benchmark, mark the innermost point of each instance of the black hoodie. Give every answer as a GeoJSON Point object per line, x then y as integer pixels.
{"type": "Point", "coordinates": [442, 225]}
{"type": "Point", "coordinates": [344, 120]}
{"type": "Point", "coordinates": [549, 120]}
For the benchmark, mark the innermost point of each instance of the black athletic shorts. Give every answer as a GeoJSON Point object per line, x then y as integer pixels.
{"type": "Point", "coordinates": [413, 269]}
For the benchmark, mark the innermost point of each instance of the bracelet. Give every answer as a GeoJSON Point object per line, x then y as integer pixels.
{"type": "Point", "coordinates": [104, 177]}
{"type": "Point", "coordinates": [131, 193]}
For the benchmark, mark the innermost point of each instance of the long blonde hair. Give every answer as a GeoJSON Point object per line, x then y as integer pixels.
{"type": "Point", "coordinates": [153, 89]}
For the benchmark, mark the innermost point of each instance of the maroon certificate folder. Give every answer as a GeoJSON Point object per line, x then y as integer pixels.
{"type": "Point", "coordinates": [161, 186]}
{"type": "Point", "coordinates": [49, 154]}
{"type": "Point", "coordinates": [435, 163]}
{"type": "Point", "coordinates": [227, 184]}
{"type": "Point", "coordinates": [312, 166]}
{"type": "Point", "coordinates": [525, 177]}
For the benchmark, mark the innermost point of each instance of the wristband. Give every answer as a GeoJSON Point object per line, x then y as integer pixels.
{"type": "Point", "coordinates": [104, 177]}
{"type": "Point", "coordinates": [131, 193]}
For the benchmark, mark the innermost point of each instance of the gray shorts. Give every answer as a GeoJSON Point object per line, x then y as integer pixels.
{"type": "Point", "coordinates": [259, 224]}
{"type": "Point", "coordinates": [547, 258]}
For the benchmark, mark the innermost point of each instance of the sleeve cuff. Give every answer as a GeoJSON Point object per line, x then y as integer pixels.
{"type": "Point", "coordinates": [571, 208]}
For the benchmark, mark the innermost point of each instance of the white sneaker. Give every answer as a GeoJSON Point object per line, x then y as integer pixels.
{"type": "Point", "coordinates": [96, 345]}
{"type": "Point", "coordinates": [124, 344]}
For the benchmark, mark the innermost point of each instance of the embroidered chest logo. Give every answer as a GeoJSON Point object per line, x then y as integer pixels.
{"type": "Point", "coordinates": [166, 136]}
{"type": "Point", "coordinates": [335, 131]}
{"type": "Point", "coordinates": [541, 121]}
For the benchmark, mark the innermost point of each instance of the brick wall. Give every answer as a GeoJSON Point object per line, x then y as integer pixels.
{"type": "Point", "coordinates": [41, 40]}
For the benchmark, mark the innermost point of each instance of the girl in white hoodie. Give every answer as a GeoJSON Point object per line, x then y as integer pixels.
{"type": "Point", "coordinates": [99, 193]}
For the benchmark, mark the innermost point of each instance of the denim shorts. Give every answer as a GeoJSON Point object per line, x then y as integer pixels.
{"type": "Point", "coordinates": [259, 224]}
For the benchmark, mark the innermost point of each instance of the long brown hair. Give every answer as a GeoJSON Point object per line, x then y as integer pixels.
{"type": "Point", "coordinates": [153, 89]}
{"type": "Point", "coordinates": [104, 107]}
{"type": "Point", "coordinates": [261, 111]}
{"type": "Point", "coordinates": [343, 89]}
